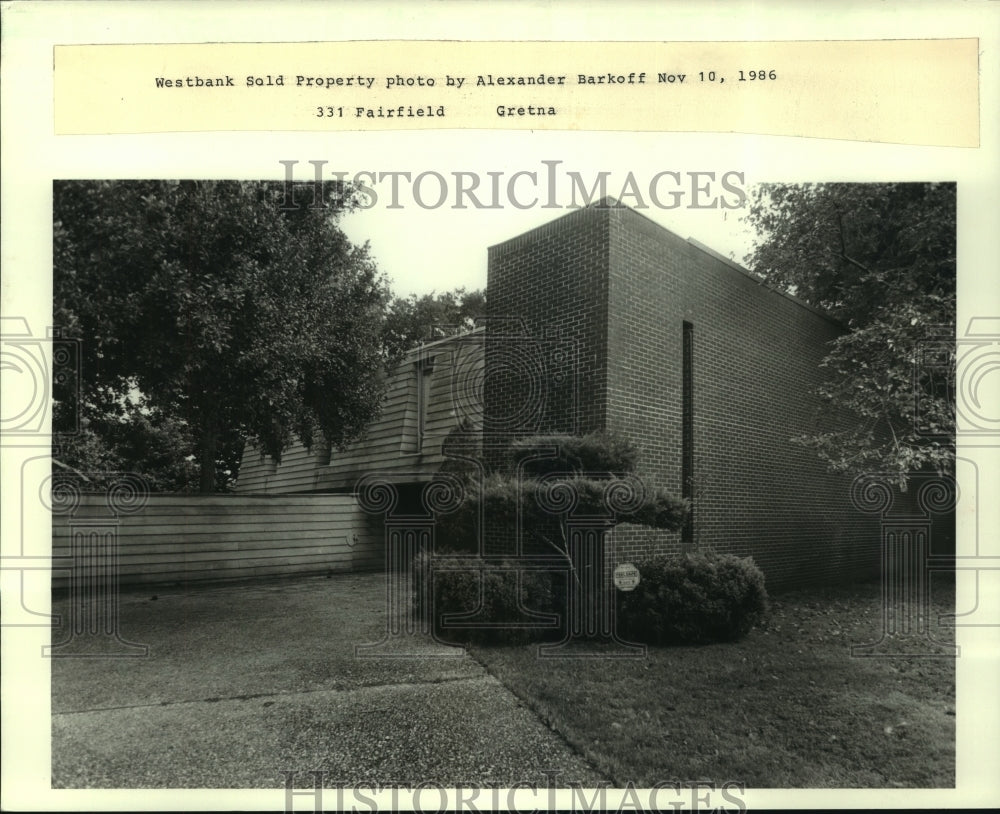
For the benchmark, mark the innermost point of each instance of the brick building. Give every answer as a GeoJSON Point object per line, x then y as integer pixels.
{"type": "Point", "coordinates": [602, 319]}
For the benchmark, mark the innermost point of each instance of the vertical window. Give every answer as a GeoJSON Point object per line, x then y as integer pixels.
{"type": "Point", "coordinates": [424, 368]}
{"type": "Point", "coordinates": [687, 429]}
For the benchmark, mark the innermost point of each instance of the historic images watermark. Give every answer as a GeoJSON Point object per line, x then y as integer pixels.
{"type": "Point", "coordinates": [908, 523]}
{"type": "Point", "coordinates": [549, 186]}
{"type": "Point", "coordinates": [908, 561]}
{"type": "Point", "coordinates": [36, 367]}
{"type": "Point", "coordinates": [32, 365]}
{"type": "Point", "coordinates": [40, 372]}
{"type": "Point", "coordinates": [538, 374]}
{"type": "Point", "coordinates": [317, 787]}
{"type": "Point", "coordinates": [93, 565]}
{"type": "Point", "coordinates": [85, 564]}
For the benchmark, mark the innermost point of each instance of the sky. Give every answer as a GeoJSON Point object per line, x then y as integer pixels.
{"type": "Point", "coordinates": [431, 248]}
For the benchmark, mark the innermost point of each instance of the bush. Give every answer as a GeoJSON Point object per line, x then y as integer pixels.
{"type": "Point", "coordinates": [456, 589]}
{"type": "Point", "coordinates": [596, 471]}
{"type": "Point", "coordinates": [596, 453]}
{"type": "Point", "coordinates": [693, 598]}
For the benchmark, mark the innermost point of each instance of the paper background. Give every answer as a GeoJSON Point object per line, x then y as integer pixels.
{"type": "Point", "coordinates": [423, 249]}
{"type": "Point", "coordinates": [900, 91]}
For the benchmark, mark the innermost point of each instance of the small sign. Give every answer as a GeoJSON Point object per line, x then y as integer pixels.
{"type": "Point", "coordinates": [626, 577]}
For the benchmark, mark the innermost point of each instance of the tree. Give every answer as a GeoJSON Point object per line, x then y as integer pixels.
{"type": "Point", "coordinates": [143, 439]}
{"type": "Point", "coordinates": [543, 482]}
{"type": "Point", "coordinates": [553, 495]}
{"type": "Point", "coordinates": [219, 313]}
{"type": "Point", "coordinates": [881, 259]}
{"type": "Point", "coordinates": [411, 320]}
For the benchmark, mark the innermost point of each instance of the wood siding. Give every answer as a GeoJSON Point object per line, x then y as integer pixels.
{"type": "Point", "coordinates": [192, 538]}
{"type": "Point", "coordinates": [453, 370]}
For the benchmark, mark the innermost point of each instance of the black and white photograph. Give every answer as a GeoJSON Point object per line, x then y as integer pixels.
{"type": "Point", "coordinates": [480, 469]}
{"type": "Point", "coordinates": [626, 458]}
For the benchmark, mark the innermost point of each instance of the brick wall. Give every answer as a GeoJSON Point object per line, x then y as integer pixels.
{"type": "Point", "coordinates": [755, 363]}
{"type": "Point", "coordinates": [618, 288]}
{"type": "Point", "coordinates": [545, 365]}
{"type": "Point", "coordinates": [546, 346]}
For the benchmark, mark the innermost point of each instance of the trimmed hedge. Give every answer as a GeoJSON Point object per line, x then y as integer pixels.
{"type": "Point", "coordinates": [539, 481]}
{"type": "Point", "coordinates": [596, 452]}
{"type": "Point", "coordinates": [692, 599]}
{"type": "Point", "coordinates": [456, 589]}
{"type": "Point", "coordinates": [680, 599]}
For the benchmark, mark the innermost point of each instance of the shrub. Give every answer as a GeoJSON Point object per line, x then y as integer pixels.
{"type": "Point", "coordinates": [456, 589]}
{"type": "Point", "coordinates": [588, 475]}
{"type": "Point", "coordinates": [693, 598]}
{"type": "Point", "coordinates": [597, 452]}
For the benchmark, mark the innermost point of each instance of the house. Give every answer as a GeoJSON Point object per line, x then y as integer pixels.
{"type": "Point", "coordinates": [428, 394]}
{"type": "Point", "coordinates": [603, 320]}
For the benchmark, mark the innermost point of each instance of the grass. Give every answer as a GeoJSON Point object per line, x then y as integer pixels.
{"type": "Point", "coordinates": [786, 707]}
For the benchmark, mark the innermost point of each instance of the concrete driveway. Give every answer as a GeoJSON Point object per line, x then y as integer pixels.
{"type": "Point", "coordinates": [242, 684]}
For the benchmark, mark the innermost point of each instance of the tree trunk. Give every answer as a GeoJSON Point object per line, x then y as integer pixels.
{"type": "Point", "coordinates": [209, 444]}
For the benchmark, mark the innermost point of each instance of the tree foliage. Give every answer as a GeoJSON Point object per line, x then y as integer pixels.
{"type": "Point", "coordinates": [414, 319]}
{"type": "Point", "coordinates": [218, 311]}
{"type": "Point", "coordinates": [881, 259]}
{"type": "Point", "coordinates": [144, 440]}
{"type": "Point", "coordinates": [546, 480]}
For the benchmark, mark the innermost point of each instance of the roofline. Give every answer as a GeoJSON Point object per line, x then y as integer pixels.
{"type": "Point", "coordinates": [451, 338]}
{"type": "Point", "coordinates": [762, 283]}
{"type": "Point", "coordinates": [604, 203]}
{"type": "Point", "coordinates": [610, 202]}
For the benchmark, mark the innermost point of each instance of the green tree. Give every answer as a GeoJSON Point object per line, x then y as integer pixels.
{"type": "Point", "coordinates": [881, 259]}
{"type": "Point", "coordinates": [414, 319]}
{"type": "Point", "coordinates": [214, 312]}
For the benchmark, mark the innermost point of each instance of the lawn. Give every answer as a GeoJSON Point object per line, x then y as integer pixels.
{"type": "Point", "coordinates": [786, 707]}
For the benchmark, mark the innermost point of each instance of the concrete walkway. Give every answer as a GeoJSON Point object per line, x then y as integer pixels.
{"type": "Point", "coordinates": [242, 684]}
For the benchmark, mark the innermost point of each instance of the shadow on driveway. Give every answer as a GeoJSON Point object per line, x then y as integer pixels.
{"type": "Point", "coordinates": [244, 683]}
